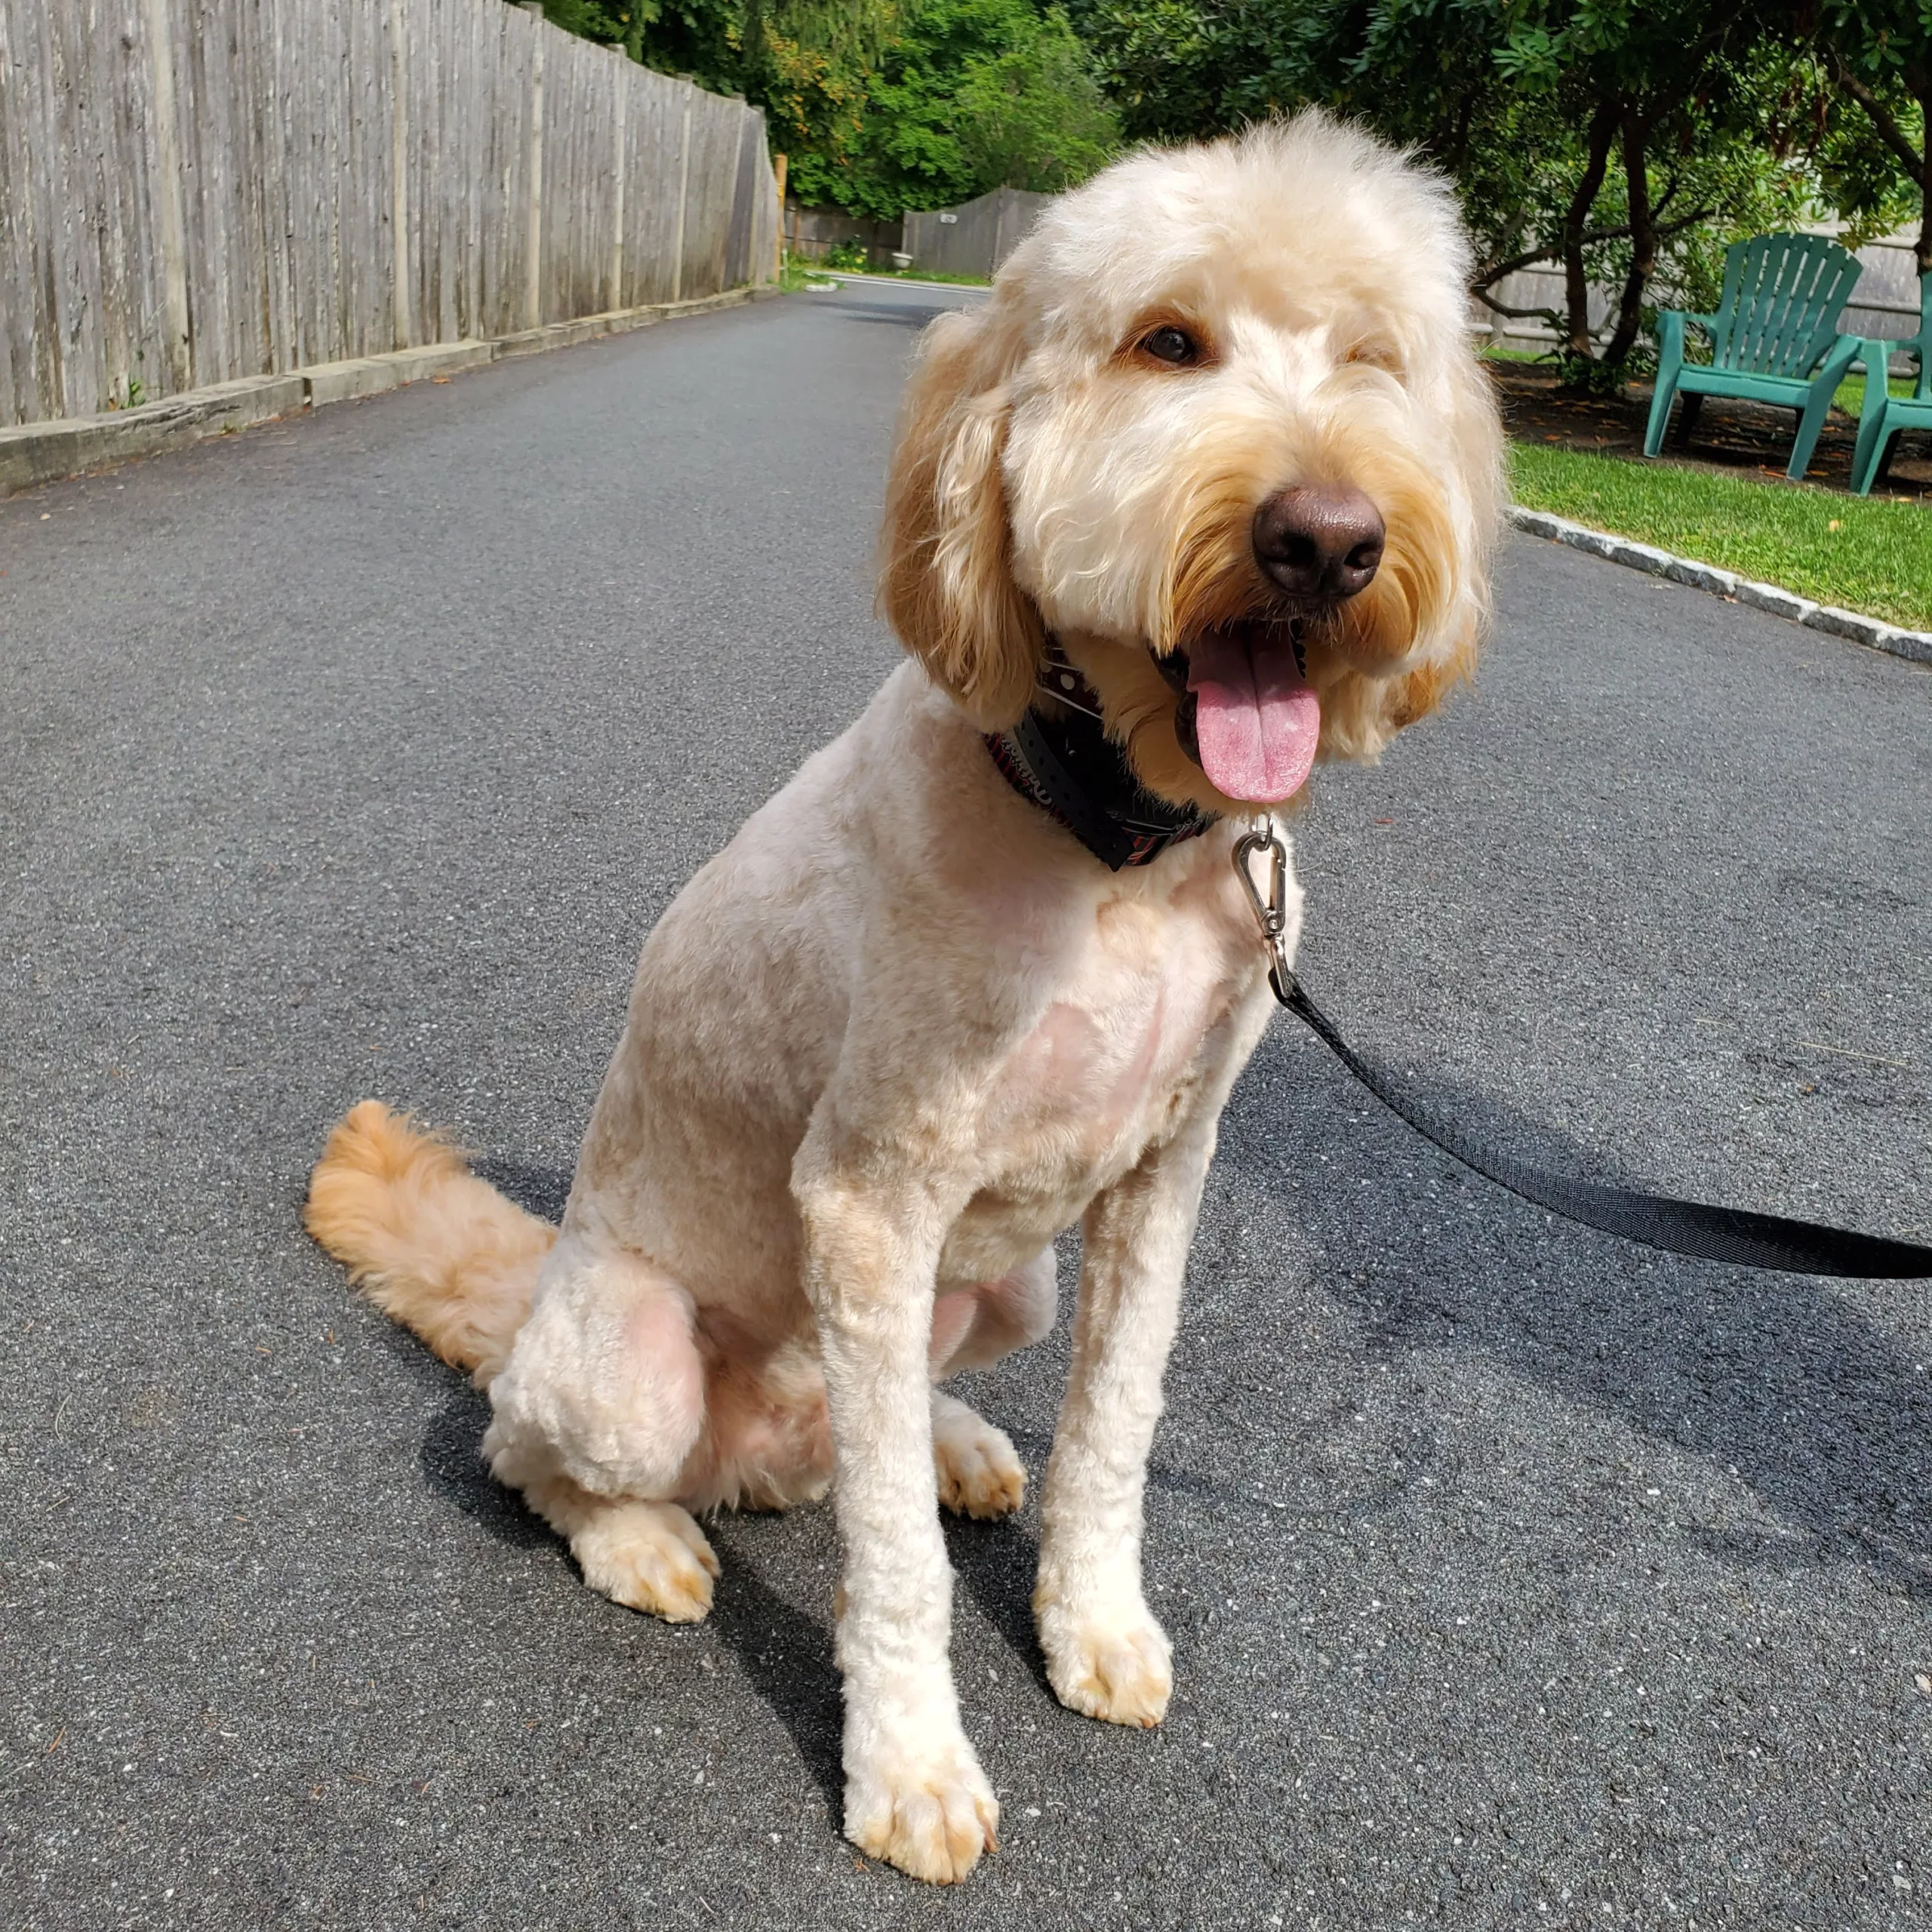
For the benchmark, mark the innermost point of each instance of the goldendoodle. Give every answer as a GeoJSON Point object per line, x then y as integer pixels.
{"type": "Point", "coordinates": [1208, 489]}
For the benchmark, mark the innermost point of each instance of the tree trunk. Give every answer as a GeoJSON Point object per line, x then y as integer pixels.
{"type": "Point", "coordinates": [1643, 238]}
{"type": "Point", "coordinates": [1575, 220]}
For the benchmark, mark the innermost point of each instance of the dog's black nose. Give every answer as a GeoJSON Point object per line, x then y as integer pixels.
{"type": "Point", "coordinates": [1315, 542]}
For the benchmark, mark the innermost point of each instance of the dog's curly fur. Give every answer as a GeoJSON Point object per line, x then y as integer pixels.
{"type": "Point", "coordinates": [903, 1030]}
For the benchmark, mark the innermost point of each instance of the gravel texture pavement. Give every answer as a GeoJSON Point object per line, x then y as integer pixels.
{"type": "Point", "coordinates": [1518, 1577]}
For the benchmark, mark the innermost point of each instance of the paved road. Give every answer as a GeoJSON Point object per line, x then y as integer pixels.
{"type": "Point", "coordinates": [1517, 1577]}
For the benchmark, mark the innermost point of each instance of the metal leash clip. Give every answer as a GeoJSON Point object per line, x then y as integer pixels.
{"type": "Point", "coordinates": [1271, 908]}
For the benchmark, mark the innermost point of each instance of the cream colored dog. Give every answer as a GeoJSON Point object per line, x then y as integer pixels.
{"type": "Point", "coordinates": [1219, 435]}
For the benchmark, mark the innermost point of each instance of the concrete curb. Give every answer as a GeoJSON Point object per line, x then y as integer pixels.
{"type": "Point", "coordinates": [370, 375]}
{"type": "Point", "coordinates": [35, 453]}
{"type": "Point", "coordinates": [1914, 645]}
{"type": "Point", "coordinates": [903, 281]}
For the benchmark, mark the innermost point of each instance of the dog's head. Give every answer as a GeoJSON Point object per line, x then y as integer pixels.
{"type": "Point", "coordinates": [1221, 431]}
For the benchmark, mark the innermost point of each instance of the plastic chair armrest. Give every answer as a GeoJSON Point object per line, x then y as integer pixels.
{"type": "Point", "coordinates": [1875, 352]}
{"type": "Point", "coordinates": [1838, 357]}
{"type": "Point", "coordinates": [1671, 326]}
{"type": "Point", "coordinates": [1919, 348]}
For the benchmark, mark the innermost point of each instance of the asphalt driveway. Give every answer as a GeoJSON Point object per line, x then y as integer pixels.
{"type": "Point", "coordinates": [1518, 1577]}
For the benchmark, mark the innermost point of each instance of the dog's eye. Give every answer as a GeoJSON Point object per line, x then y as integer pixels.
{"type": "Point", "coordinates": [1171, 345]}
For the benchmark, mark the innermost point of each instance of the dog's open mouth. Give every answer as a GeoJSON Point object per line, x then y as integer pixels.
{"type": "Point", "coordinates": [1247, 716]}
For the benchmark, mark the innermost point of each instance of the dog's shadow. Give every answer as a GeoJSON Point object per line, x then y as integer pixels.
{"type": "Point", "coordinates": [786, 1656]}
{"type": "Point", "coordinates": [541, 1191]}
{"type": "Point", "coordinates": [996, 1563]}
{"type": "Point", "coordinates": [452, 1462]}
{"type": "Point", "coordinates": [785, 1653]}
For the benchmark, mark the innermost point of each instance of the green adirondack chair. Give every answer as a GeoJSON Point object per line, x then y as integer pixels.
{"type": "Point", "coordinates": [1774, 337]}
{"type": "Point", "coordinates": [1885, 414]}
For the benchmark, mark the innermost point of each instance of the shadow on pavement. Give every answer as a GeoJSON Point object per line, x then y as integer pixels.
{"type": "Point", "coordinates": [896, 317]}
{"type": "Point", "coordinates": [995, 1563]}
{"type": "Point", "coordinates": [537, 1190]}
{"type": "Point", "coordinates": [1775, 1377]}
{"type": "Point", "coordinates": [786, 1657]}
{"type": "Point", "coordinates": [452, 1460]}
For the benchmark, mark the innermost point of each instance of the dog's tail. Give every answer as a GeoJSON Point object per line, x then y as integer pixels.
{"type": "Point", "coordinates": [430, 1244]}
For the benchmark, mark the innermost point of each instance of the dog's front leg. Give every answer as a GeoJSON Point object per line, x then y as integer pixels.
{"type": "Point", "coordinates": [915, 1794]}
{"type": "Point", "coordinates": [1106, 1655]}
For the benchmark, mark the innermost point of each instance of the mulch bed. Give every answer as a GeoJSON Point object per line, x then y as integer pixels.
{"type": "Point", "coordinates": [1747, 436]}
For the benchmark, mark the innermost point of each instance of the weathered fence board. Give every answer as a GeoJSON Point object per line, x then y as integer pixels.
{"type": "Point", "coordinates": [651, 140]}
{"type": "Point", "coordinates": [195, 190]}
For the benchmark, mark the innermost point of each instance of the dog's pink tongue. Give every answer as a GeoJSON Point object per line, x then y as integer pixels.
{"type": "Point", "coordinates": [1256, 721]}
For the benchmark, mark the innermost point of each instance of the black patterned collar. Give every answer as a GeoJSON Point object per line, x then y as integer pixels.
{"type": "Point", "coordinates": [1059, 758]}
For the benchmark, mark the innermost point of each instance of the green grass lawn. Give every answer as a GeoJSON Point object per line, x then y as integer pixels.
{"type": "Point", "coordinates": [1861, 553]}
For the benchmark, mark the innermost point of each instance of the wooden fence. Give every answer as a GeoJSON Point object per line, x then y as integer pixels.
{"type": "Point", "coordinates": [976, 237]}
{"type": "Point", "coordinates": [195, 190]}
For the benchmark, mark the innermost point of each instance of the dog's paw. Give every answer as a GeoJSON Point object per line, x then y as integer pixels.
{"type": "Point", "coordinates": [979, 1472]}
{"type": "Point", "coordinates": [1118, 1668]}
{"type": "Point", "coordinates": [649, 1556]}
{"type": "Point", "coordinates": [926, 1808]}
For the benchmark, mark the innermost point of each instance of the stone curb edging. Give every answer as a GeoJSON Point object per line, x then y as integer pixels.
{"type": "Point", "coordinates": [1914, 645]}
{"type": "Point", "coordinates": [35, 453]}
{"type": "Point", "coordinates": [904, 281]}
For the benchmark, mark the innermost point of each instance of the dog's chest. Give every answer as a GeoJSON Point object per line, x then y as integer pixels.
{"type": "Point", "coordinates": [1135, 1017]}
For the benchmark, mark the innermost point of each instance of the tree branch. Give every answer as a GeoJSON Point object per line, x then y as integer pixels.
{"type": "Point", "coordinates": [1493, 273]}
{"type": "Point", "coordinates": [1920, 81]}
{"type": "Point", "coordinates": [1663, 228]}
{"type": "Point", "coordinates": [1893, 136]}
{"type": "Point", "coordinates": [1490, 302]}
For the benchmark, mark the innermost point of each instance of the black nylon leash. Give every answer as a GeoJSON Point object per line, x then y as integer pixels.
{"type": "Point", "coordinates": [1656, 1220]}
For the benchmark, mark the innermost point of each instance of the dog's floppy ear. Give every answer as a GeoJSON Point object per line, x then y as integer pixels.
{"type": "Point", "coordinates": [946, 584]}
{"type": "Point", "coordinates": [1360, 714]}
{"type": "Point", "coordinates": [1480, 494]}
